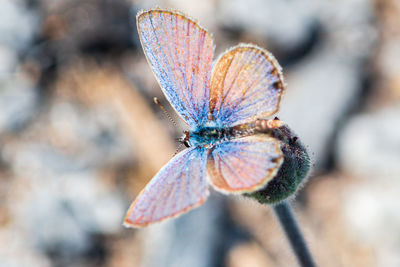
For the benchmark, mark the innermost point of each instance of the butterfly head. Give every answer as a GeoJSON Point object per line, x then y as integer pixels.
{"type": "Point", "coordinates": [185, 139]}
{"type": "Point", "coordinates": [203, 136]}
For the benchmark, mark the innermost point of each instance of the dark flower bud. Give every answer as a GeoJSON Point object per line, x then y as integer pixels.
{"type": "Point", "coordinates": [292, 172]}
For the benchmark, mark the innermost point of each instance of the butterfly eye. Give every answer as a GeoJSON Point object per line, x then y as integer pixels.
{"type": "Point", "coordinates": [186, 143]}
{"type": "Point", "coordinates": [185, 139]}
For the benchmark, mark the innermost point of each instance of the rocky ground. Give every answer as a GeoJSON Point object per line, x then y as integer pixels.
{"type": "Point", "coordinates": [80, 135]}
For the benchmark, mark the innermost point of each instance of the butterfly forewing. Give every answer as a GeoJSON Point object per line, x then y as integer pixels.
{"type": "Point", "coordinates": [246, 84]}
{"type": "Point", "coordinates": [178, 187]}
{"type": "Point", "coordinates": [180, 53]}
{"type": "Point", "coordinates": [244, 164]}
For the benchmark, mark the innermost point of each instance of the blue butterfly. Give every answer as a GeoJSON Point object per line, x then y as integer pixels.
{"type": "Point", "coordinates": [224, 106]}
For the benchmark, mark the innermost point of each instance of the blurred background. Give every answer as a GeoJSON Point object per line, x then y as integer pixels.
{"type": "Point", "coordinates": [80, 135]}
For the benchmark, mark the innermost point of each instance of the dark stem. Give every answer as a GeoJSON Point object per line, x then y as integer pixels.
{"type": "Point", "coordinates": [286, 218]}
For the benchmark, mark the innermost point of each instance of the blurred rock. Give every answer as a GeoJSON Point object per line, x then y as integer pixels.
{"type": "Point", "coordinates": [92, 27]}
{"type": "Point", "coordinates": [8, 61]}
{"type": "Point", "coordinates": [18, 24]}
{"type": "Point", "coordinates": [248, 255]}
{"type": "Point", "coordinates": [194, 239]}
{"type": "Point", "coordinates": [389, 68]}
{"type": "Point", "coordinates": [369, 146]}
{"type": "Point", "coordinates": [372, 216]}
{"type": "Point", "coordinates": [387, 89]}
{"type": "Point", "coordinates": [17, 250]}
{"type": "Point", "coordinates": [285, 24]}
{"type": "Point", "coordinates": [333, 240]}
{"type": "Point", "coordinates": [369, 149]}
{"type": "Point", "coordinates": [18, 101]}
{"type": "Point", "coordinates": [63, 203]}
{"type": "Point", "coordinates": [63, 215]}
{"type": "Point", "coordinates": [351, 36]}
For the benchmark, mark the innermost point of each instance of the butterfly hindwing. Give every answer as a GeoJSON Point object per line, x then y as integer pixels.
{"type": "Point", "coordinates": [180, 53]}
{"type": "Point", "coordinates": [246, 84]}
{"type": "Point", "coordinates": [179, 186]}
{"type": "Point", "coordinates": [244, 164]}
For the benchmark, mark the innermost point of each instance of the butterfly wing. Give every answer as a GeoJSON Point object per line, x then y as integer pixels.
{"type": "Point", "coordinates": [246, 84]}
{"type": "Point", "coordinates": [244, 164]}
{"type": "Point", "coordinates": [178, 187]}
{"type": "Point", "coordinates": [180, 53]}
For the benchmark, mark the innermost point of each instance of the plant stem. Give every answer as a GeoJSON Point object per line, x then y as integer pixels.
{"type": "Point", "coordinates": [288, 221]}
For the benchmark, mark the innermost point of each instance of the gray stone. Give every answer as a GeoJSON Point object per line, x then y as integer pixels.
{"type": "Point", "coordinates": [285, 23]}
{"type": "Point", "coordinates": [369, 145]}
{"type": "Point", "coordinates": [18, 24]}
{"type": "Point", "coordinates": [193, 239]}
{"type": "Point", "coordinates": [369, 148]}
{"type": "Point", "coordinates": [18, 101]}
{"type": "Point", "coordinates": [65, 203]}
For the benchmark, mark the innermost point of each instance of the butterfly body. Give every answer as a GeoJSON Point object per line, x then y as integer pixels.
{"type": "Point", "coordinates": [207, 136]}
{"type": "Point", "coordinates": [230, 141]}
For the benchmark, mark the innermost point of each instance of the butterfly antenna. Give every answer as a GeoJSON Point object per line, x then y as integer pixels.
{"type": "Point", "coordinates": [165, 111]}
{"type": "Point", "coordinates": [177, 150]}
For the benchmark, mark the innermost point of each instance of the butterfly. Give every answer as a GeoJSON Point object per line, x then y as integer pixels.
{"type": "Point", "coordinates": [224, 104]}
